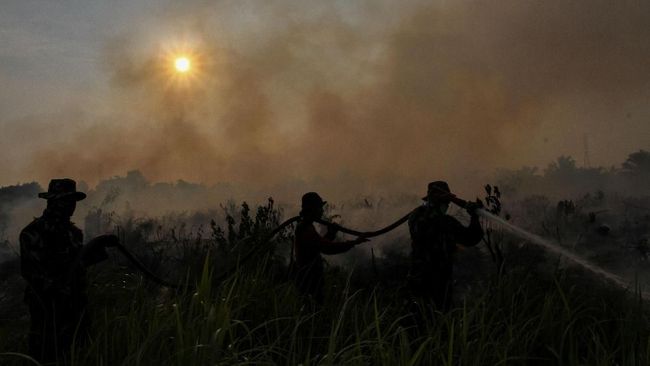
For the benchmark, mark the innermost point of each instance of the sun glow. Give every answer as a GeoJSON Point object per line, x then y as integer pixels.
{"type": "Point", "coordinates": [182, 64]}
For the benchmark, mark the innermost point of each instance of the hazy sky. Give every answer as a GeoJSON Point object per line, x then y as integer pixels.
{"type": "Point", "coordinates": [393, 93]}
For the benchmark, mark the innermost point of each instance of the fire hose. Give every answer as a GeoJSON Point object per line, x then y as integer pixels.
{"type": "Point", "coordinates": [268, 237]}
{"type": "Point", "coordinates": [255, 250]}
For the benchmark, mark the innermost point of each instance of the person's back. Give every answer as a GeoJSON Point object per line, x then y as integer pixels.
{"type": "Point", "coordinates": [48, 251]}
{"type": "Point", "coordinates": [434, 239]}
{"type": "Point", "coordinates": [308, 261]}
{"type": "Point", "coordinates": [308, 246]}
{"type": "Point", "coordinates": [53, 261]}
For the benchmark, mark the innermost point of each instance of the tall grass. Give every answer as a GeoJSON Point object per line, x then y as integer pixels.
{"type": "Point", "coordinates": [255, 317]}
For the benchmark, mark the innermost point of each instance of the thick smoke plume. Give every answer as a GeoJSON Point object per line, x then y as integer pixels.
{"type": "Point", "coordinates": [376, 96]}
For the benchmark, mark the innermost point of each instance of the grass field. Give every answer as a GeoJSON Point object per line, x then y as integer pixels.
{"type": "Point", "coordinates": [527, 315]}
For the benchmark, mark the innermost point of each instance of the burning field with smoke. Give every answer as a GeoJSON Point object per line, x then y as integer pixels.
{"type": "Point", "coordinates": [196, 127]}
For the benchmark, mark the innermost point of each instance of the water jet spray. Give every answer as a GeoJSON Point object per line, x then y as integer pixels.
{"type": "Point", "coordinates": [545, 244]}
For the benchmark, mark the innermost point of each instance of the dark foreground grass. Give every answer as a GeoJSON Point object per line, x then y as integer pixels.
{"type": "Point", "coordinates": [255, 318]}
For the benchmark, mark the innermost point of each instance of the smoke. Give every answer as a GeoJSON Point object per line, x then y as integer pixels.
{"type": "Point", "coordinates": [370, 97]}
{"type": "Point", "coordinates": [17, 207]}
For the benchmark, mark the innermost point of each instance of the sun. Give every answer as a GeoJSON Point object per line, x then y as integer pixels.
{"type": "Point", "coordinates": [182, 64]}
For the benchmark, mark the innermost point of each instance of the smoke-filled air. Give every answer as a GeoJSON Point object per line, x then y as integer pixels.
{"type": "Point", "coordinates": [372, 95]}
{"type": "Point", "coordinates": [324, 182]}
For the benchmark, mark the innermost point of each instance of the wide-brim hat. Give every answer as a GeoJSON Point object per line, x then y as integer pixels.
{"type": "Point", "coordinates": [312, 199]}
{"type": "Point", "coordinates": [438, 190]}
{"type": "Point", "coordinates": [62, 189]}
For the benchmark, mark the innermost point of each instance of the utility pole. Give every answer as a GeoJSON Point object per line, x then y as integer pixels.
{"type": "Point", "coordinates": [586, 162]}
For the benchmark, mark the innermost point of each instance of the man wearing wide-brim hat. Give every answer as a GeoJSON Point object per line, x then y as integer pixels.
{"type": "Point", "coordinates": [434, 239]}
{"type": "Point", "coordinates": [53, 262]}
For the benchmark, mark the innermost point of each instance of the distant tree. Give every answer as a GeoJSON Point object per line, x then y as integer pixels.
{"type": "Point", "coordinates": [637, 163]}
{"type": "Point", "coordinates": [564, 166]}
{"type": "Point", "coordinates": [11, 196]}
{"type": "Point", "coordinates": [133, 182]}
{"type": "Point", "coordinates": [511, 181]}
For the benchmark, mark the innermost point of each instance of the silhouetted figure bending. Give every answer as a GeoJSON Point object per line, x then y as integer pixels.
{"type": "Point", "coordinates": [308, 246]}
{"type": "Point", "coordinates": [53, 263]}
{"type": "Point", "coordinates": [434, 236]}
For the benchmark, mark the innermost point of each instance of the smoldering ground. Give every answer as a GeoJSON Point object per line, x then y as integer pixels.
{"type": "Point", "coordinates": [370, 97]}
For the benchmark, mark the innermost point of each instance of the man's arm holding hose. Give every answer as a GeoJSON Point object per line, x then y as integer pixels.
{"type": "Point", "coordinates": [327, 245]}
{"type": "Point", "coordinates": [95, 250]}
{"type": "Point", "coordinates": [471, 235]}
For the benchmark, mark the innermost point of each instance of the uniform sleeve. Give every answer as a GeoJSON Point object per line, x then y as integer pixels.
{"type": "Point", "coordinates": [467, 236]}
{"type": "Point", "coordinates": [331, 233]}
{"type": "Point", "coordinates": [325, 245]}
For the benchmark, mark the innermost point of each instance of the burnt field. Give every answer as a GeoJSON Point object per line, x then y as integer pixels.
{"type": "Point", "coordinates": [515, 302]}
